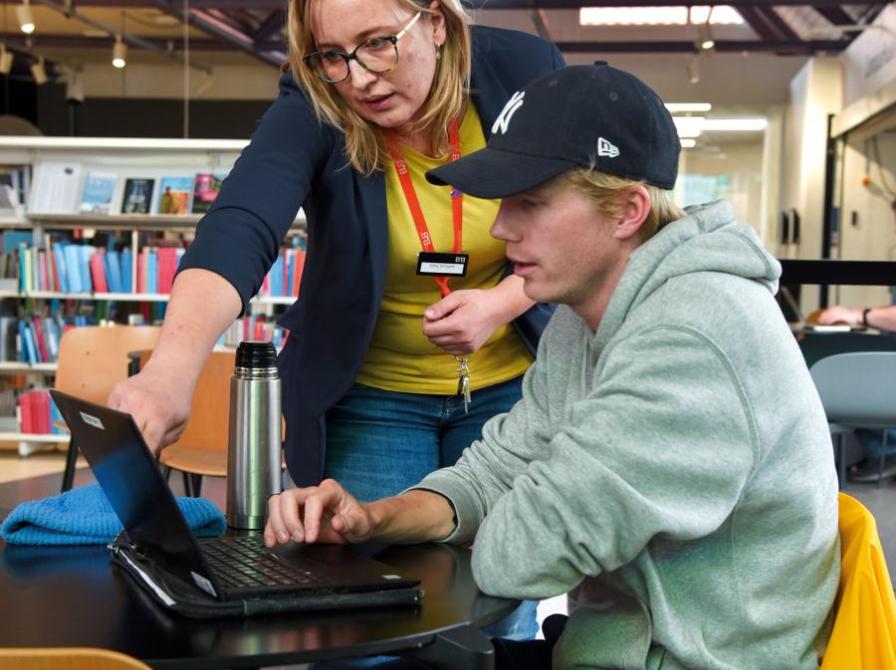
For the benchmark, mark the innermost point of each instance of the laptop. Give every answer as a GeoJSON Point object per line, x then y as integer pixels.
{"type": "Point", "coordinates": [226, 576]}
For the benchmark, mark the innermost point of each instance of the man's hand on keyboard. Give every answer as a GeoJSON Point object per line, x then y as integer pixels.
{"type": "Point", "coordinates": [325, 513]}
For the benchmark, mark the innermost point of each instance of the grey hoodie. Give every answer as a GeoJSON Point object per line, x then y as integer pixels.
{"type": "Point", "coordinates": [672, 471]}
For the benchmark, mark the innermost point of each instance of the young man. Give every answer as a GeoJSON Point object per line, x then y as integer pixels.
{"type": "Point", "coordinates": [669, 464]}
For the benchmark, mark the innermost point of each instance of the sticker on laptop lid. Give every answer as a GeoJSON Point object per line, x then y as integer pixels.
{"type": "Point", "coordinates": [204, 584]}
{"type": "Point", "coordinates": [91, 420]}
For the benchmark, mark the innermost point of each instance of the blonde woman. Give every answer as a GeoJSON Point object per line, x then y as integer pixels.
{"type": "Point", "coordinates": [389, 371]}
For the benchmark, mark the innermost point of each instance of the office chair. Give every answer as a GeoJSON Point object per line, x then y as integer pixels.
{"type": "Point", "coordinates": [201, 449]}
{"type": "Point", "coordinates": [92, 360]}
{"type": "Point", "coordinates": [67, 659]}
{"type": "Point", "coordinates": [864, 632]}
{"type": "Point", "coordinates": [857, 390]}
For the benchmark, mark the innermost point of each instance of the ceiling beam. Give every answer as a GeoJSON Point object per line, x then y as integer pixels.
{"type": "Point", "coordinates": [756, 21]}
{"type": "Point", "coordinates": [271, 27]}
{"type": "Point", "coordinates": [836, 15]}
{"type": "Point", "coordinates": [72, 41]}
{"type": "Point", "coordinates": [779, 25]}
{"type": "Point", "coordinates": [207, 22]}
{"type": "Point", "coordinates": [780, 47]}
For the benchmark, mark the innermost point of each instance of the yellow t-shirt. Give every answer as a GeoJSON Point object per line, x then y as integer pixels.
{"type": "Point", "coordinates": [400, 357]}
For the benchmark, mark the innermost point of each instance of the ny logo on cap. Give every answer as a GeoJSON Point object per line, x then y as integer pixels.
{"type": "Point", "coordinates": [507, 113]}
{"type": "Point", "coordinates": [606, 148]}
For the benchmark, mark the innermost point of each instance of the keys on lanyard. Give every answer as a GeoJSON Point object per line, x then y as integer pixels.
{"type": "Point", "coordinates": [463, 380]}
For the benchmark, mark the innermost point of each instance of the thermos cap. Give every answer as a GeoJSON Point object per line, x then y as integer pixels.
{"type": "Point", "coordinates": [255, 355]}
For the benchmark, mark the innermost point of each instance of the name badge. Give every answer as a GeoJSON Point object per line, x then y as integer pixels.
{"type": "Point", "coordinates": [435, 264]}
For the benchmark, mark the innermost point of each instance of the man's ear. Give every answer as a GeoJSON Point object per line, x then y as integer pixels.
{"type": "Point", "coordinates": [635, 208]}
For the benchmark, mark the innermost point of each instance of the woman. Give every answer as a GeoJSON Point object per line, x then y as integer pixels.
{"type": "Point", "coordinates": [378, 89]}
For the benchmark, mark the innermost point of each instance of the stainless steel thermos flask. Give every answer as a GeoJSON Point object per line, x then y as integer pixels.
{"type": "Point", "coordinates": [253, 459]}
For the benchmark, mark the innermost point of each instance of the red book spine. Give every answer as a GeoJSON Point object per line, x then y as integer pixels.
{"type": "Point", "coordinates": [37, 327]}
{"type": "Point", "coordinates": [25, 411]}
{"type": "Point", "coordinates": [40, 412]}
{"type": "Point", "coordinates": [98, 273]}
{"type": "Point", "coordinates": [297, 275]}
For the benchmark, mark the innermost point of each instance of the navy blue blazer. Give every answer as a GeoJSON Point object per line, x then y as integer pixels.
{"type": "Point", "coordinates": [293, 160]}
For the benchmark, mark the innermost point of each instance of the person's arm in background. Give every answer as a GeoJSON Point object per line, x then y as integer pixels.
{"type": "Point", "coordinates": [881, 318]}
{"type": "Point", "coordinates": [236, 243]}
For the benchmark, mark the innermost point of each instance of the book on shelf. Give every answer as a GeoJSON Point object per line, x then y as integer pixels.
{"type": "Point", "coordinates": [56, 188]}
{"type": "Point", "coordinates": [38, 414]}
{"type": "Point", "coordinates": [99, 188]}
{"type": "Point", "coordinates": [137, 197]}
{"type": "Point", "coordinates": [205, 189]}
{"type": "Point", "coordinates": [175, 195]}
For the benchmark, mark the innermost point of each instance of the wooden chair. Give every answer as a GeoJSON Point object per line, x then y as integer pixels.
{"type": "Point", "coordinates": [202, 448]}
{"type": "Point", "coordinates": [92, 360]}
{"type": "Point", "coordinates": [67, 659]}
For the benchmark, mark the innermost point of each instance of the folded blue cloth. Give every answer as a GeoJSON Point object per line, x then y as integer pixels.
{"type": "Point", "coordinates": [85, 516]}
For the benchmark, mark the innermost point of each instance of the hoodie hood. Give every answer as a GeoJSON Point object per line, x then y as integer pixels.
{"type": "Point", "coordinates": [707, 239]}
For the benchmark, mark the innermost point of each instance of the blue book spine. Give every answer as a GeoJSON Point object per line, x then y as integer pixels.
{"type": "Point", "coordinates": [85, 252]}
{"type": "Point", "coordinates": [61, 269]}
{"type": "Point", "coordinates": [126, 284]}
{"type": "Point", "coordinates": [290, 273]}
{"type": "Point", "coordinates": [28, 342]}
{"type": "Point", "coordinates": [21, 345]}
{"type": "Point", "coordinates": [23, 268]}
{"type": "Point", "coordinates": [276, 283]}
{"type": "Point", "coordinates": [113, 272]}
{"type": "Point", "coordinates": [72, 263]}
{"type": "Point", "coordinates": [152, 272]}
{"type": "Point", "coordinates": [57, 423]}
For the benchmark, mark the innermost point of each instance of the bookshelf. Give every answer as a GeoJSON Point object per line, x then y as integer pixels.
{"type": "Point", "coordinates": [76, 190]}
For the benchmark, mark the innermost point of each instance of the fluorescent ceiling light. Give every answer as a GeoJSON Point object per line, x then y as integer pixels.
{"type": "Point", "coordinates": [688, 143]}
{"type": "Point", "coordinates": [682, 107]}
{"type": "Point", "coordinates": [657, 16]}
{"type": "Point", "coordinates": [689, 126]}
{"type": "Point", "coordinates": [747, 124]}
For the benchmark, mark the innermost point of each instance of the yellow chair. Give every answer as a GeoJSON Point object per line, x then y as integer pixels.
{"type": "Point", "coordinates": [201, 450]}
{"type": "Point", "coordinates": [864, 632]}
{"type": "Point", "coordinates": [67, 659]}
{"type": "Point", "coordinates": [92, 360]}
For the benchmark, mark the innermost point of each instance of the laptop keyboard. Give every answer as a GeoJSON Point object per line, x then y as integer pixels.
{"type": "Point", "coordinates": [244, 562]}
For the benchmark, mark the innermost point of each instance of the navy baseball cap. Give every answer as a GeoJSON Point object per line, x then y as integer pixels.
{"type": "Point", "coordinates": [580, 116]}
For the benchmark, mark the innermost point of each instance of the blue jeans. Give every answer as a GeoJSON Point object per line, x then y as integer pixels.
{"type": "Point", "coordinates": [382, 442]}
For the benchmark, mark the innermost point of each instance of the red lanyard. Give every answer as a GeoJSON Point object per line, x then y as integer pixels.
{"type": "Point", "coordinates": [457, 198]}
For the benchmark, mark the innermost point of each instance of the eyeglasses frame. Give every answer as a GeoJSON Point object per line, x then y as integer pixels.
{"type": "Point", "coordinates": [353, 56]}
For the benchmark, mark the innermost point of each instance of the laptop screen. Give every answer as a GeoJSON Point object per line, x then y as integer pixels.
{"type": "Point", "coordinates": [131, 479]}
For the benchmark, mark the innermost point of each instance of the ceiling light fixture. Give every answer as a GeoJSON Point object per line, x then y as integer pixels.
{"type": "Point", "coordinates": [688, 142]}
{"type": "Point", "coordinates": [684, 107]}
{"type": "Point", "coordinates": [689, 126]}
{"type": "Point", "coordinates": [119, 53]}
{"type": "Point", "coordinates": [655, 16]}
{"type": "Point", "coordinates": [705, 41]}
{"type": "Point", "coordinates": [5, 60]}
{"type": "Point", "coordinates": [26, 19]}
{"type": "Point", "coordinates": [39, 72]}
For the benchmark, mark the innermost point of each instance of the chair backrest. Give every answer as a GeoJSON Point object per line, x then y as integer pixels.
{"type": "Point", "coordinates": [864, 632]}
{"type": "Point", "coordinates": [67, 659]}
{"type": "Point", "coordinates": [210, 413]}
{"type": "Point", "coordinates": [93, 359]}
{"type": "Point", "coordinates": [858, 388]}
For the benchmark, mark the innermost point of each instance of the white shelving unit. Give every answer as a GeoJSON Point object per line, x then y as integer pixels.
{"type": "Point", "coordinates": [128, 158]}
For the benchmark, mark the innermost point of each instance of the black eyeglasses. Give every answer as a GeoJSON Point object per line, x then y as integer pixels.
{"type": "Point", "coordinates": [376, 54]}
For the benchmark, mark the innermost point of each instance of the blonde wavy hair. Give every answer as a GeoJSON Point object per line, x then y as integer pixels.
{"type": "Point", "coordinates": [607, 192]}
{"type": "Point", "coordinates": [446, 99]}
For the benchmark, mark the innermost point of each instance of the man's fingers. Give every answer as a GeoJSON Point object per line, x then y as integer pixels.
{"type": "Point", "coordinates": [291, 517]}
